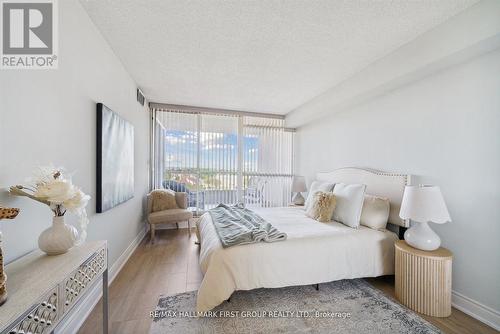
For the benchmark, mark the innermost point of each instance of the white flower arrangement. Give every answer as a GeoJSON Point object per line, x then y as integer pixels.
{"type": "Point", "coordinates": [50, 186]}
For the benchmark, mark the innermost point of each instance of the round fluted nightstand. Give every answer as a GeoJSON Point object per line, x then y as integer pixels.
{"type": "Point", "coordinates": [423, 279]}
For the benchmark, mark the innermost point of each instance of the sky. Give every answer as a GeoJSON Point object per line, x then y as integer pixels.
{"type": "Point", "coordinates": [217, 150]}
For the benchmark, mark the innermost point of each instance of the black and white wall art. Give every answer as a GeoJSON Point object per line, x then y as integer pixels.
{"type": "Point", "coordinates": [115, 159]}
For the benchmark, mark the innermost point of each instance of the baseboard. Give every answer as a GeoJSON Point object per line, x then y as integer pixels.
{"type": "Point", "coordinates": [476, 310]}
{"type": "Point", "coordinates": [82, 309]}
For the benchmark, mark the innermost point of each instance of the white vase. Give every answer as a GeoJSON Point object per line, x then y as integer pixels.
{"type": "Point", "coordinates": [58, 238]}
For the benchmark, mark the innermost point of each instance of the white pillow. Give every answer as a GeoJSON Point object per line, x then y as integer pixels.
{"type": "Point", "coordinates": [317, 186]}
{"type": "Point", "coordinates": [350, 199]}
{"type": "Point", "coordinates": [375, 213]}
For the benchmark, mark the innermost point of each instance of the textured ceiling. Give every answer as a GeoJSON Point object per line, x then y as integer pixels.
{"type": "Point", "coordinates": [263, 56]}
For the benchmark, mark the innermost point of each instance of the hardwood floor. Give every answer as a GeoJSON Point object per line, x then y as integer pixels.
{"type": "Point", "coordinates": [171, 266]}
{"type": "Point", "coordinates": [457, 322]}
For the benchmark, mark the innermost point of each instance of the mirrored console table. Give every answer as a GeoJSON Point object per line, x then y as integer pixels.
{"type": "Point", "coordinates": [43, 289]}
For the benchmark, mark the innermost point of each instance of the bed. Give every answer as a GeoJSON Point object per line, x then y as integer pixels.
{"type": "Point", "coordinates": [313, 253]}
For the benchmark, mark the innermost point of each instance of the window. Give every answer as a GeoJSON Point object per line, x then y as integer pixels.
{"type": "Point", "coordinates": [222, 158]}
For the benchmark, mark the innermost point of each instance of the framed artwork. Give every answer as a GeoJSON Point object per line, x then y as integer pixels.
{"type": "Point", "coordinates": [115, 159]}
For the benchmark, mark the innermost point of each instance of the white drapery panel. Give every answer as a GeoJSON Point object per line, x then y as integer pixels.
{"type": "Point", "coordinates": [222, 158]}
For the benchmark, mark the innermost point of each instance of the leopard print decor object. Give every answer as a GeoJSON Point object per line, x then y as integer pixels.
{"type": "Point", "coordinates": [3, 280]}
{"type": "Point", "coordinates": [8, 213]}
{"type": "Point", "coordinates": [5, 213]}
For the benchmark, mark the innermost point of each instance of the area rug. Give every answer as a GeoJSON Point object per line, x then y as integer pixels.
{"type": "Point", "coordinates": [346, 306]}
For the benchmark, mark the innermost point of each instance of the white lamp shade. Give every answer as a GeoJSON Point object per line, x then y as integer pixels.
{"type": "Point", "coordinates": [299, 184]}
{"type": "Point", "coordinates": [424, 204]}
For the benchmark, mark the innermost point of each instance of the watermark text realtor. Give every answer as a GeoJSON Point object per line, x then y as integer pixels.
{"type": "Point", "coordinates": [29, 33]}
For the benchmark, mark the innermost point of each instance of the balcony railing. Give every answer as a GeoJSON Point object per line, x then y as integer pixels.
{"type": "Point", "coordinates": [211, 189]}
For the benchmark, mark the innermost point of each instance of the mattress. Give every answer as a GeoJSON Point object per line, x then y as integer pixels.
{"type": "Point", "coordinates": [314, 252]}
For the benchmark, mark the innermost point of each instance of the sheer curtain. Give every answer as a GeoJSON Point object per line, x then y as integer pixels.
{"type": "Point", "coordinates": [222, 157]}
{"type": "Point", "coordinates": [267, 161]}
{"type": "Point", "coordinates": [218, 150]}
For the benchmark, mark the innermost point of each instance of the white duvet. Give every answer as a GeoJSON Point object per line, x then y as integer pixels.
{"type": "Point", "coordinates": [313, 253]}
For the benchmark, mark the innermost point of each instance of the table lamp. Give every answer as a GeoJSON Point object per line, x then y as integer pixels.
{"type": "Point", "coordinates": [298, 186]}
{"type": "Point", "coordinates": [423, 204]}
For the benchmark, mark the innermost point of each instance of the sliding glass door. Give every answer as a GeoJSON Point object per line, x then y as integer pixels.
{"type": "Point", "coordinates": [222, 158]}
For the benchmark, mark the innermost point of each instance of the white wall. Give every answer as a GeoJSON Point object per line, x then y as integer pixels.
{"type": "Point", "coordinates": [464, 36]}
{"type": "Point", "coordinates": [48, 116]}
{"type": "Point", "coordinates": [445, 129]}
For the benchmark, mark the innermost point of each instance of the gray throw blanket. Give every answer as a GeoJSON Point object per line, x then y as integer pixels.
{"type": "Point", "coordinates": [236, 225]}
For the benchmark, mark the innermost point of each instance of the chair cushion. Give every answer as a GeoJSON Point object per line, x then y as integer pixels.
{"type": "Point", "coordinates": [163, 199]}
{"type": "Point", "coordinates": [169, 216]}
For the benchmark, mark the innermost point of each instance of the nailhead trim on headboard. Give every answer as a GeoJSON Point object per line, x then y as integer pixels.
{"type": "Point", "coordinates": [403, 179]}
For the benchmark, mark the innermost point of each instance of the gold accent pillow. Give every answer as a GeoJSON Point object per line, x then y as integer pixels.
{"type": "Point", "coordinates": [163, 199]}
{"type": "Point", "coordinates": [322, 206]}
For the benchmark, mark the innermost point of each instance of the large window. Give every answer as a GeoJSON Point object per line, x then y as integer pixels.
{"type": "Point", "coordinates": [223, 158]}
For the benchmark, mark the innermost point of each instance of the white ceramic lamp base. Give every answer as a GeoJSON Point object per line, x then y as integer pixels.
{"type": "Point", "coordinates": [298, 199]}
{"type": "Point", "coordinates": [421, 236]}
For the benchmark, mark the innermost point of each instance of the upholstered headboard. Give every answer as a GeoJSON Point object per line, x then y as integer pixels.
{"type": "Point", "coordinates": [388, 185]}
